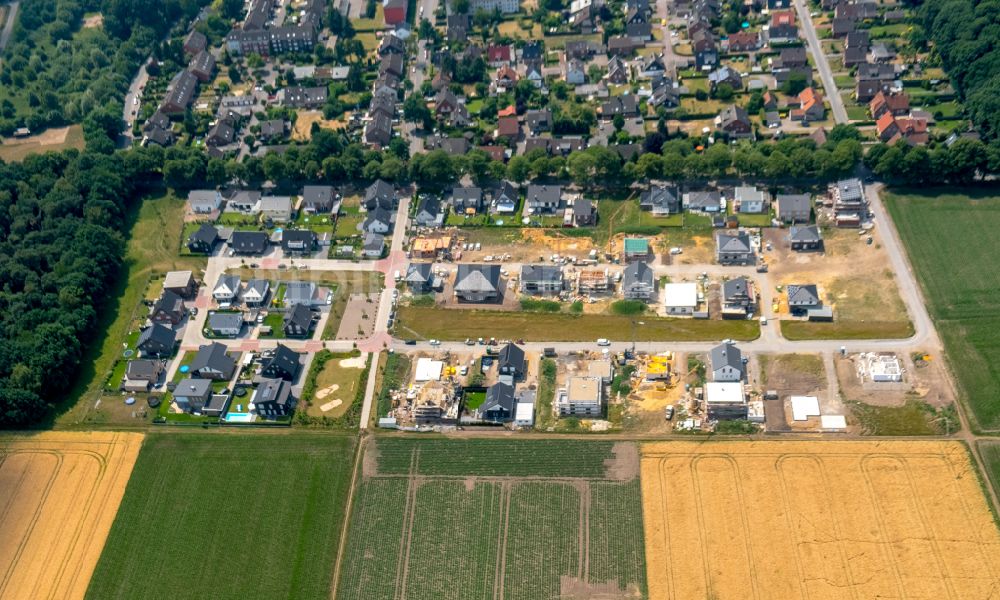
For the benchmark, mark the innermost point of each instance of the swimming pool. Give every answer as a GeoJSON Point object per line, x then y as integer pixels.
{"type": "Point", "coordinates": [240, 417]}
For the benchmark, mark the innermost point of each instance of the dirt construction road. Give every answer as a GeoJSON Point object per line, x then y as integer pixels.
{"type": "Point", "coordinates": [59, 493]}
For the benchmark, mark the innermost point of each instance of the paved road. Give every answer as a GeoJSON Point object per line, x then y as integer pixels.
{"type": "Point", "coordinates": [822, 64]}
{"type": "Point", "coordinates": [130, 110]}
{"type": "Point", "coordinates": [8, 26]}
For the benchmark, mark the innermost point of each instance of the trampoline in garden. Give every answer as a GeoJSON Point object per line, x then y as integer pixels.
{"type": "Point", "coordinates": [128, 353]}
{"type": "Point", "coordinates": [184, 368]}
{"type": "Point", "coordinates": [130, 400]}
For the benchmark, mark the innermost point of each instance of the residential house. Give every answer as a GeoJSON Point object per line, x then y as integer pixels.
{"type": "Point", "coordinates": [394, 11]}
{"type": "Point", "coordinates": [857, 39]}
{"type": "Point", "coordinates": [212, 362]}
{"type": "Point", "coordinates": [273, 397]}
{"type": "Point", "coordinates": [378, 130]}
{"type": "Point", "coordinates": [373, 245]}
{"type": "Point", "coordinates": [156, 340]}
{"type": "Point", "coordinates": [841, 27]}
{"type": "Point", "coordinates": [299, 241]}
{"type": "Point", "coordinates": [635, 249]}
{"type": "Point", "coordinates": [581, 214]}
{"type": "Point", "coordinates": [203, 240]}
{"type": "Point", "coordinates": [543, 199]}
{"type": "Point", "coordinates": [856, 11]}
{"type": "Point", "coordinates": [505, 198]}
{"type": "Point", "coordinates": [791, 58]}
{"type": "Point", "coordinates": [226, 289]}
{"type": "Point", "coordinates": [377, 221]}
{"type": "Point", "coordinates": [225, 324]}
{"type": "Point", "coordinates": [706, 52]}
{"type": "Point", "coordinates": [541, 279]}
{"type": "Point", "coordinates": [896, 104]}
{"type": "Point", "coordinates": [726, 75]}
{"type": "Point", "coordinates": [623, 45]}
{"type": "Point", "coordinates": [708, 201]}
{"type": "Point", "coordinates": [508, 127]}
{"type": "Point", "coordinates": [680, 299]}
{"type": "Point", "coordinates": [195, 42]}
{"type": "Point", "coordinates": [478, 283]}
{"type": "Point", "coordinates": [255, 292]}
{"type": "Point", "coordinates": [141, 374]}
{"type": "Point", "coordinates": [181, 283]}
{"type": "Point", "coordinates": [751, 200]}
{"type": "Point", "coordinates": [782, 28]}
{"type": "Point", "coordinates": [244, 201]}
{"type": "Point", "coordinates": [810, 107]}
{"type": "Point", "coordinates": [638, 282]}
{"type": "Point", "coordinates": [881, 53]}
{"type": "Point", "coordinates": [660, 200]}
{"type": "Point", "coordinates": [849, 203]}
{"type": "Point", "coordinates": [298, 322]}
{"type": "Point", "coordinates": [168, 309]}
{"type": "Point", "coordinates": [770, 101]}
{"type": "Point", "coordinates": [511, 365]}
{"type": "Point", "coordinates": [498, 55]}
{"type": "Point", "coordinates": [625, 105]}
{"type": "Point", "coordinates": [664, 93]}
{"type": "Point", "coordinates": [459, 25]}
{"type": "Point", "coordinates": [420, 277]}
{"type": "Point", "coordinates": [742, 41]}
{"type": "Point", "coordinates": [533, 72]}
{"type": "Point", "coordinates": [380, 194]}
{"type": "Point", "coordinates": [276, 209]}
{"type": "Point", "coordinates": [319, 200]}
{"type": "Point", "coordinates": [467, 200]}
{"type": "Point", "coordinates": [640, 32]}
{"type": "Point", "coordinates": [391, 44]}
{"type": "Point", "coordinates": [306, 293]}
{"type": "Point", "coordinates": [734, 121]}
{"type": "Point", "coordinates": [574, 72]}
{"type": "Point", "coordinates": [738, 298]}
{"type": "Point", "coordinates": [221, 134]}
{"type": "Point", "coordinates": [505, 79]}
{"type": "Point", "coordinates": [303, 97]}
{"type": "Point", "coordinates": [583, 396]}
{"type": "Point", "coordinates": [805, 237]}
{"type": "Point", "coordinates": [802, 298]}
{"type": "Point", "coordinates": [191, 395]}
{"type": "Point", "coordinates": [204, 202]}
{"type": "Point", "coordinates": [248, 242]}
{"type": "Point", "coordinates": [618, 71]}
{"type": "Point", "coordinates": [726, 363]}
{"type": "Point", "coordinates": [429, 212]}
{"type": "Point", "coordinates": [581, 49]}
{"type": "Point", "coordinates": [793, 208]}
{"type": "Point", "coordinates": [652, 66]}
{"type": "Point", "coordinates": [892, 129]}
{"type": "Point", "coordinates": [180, 93]}
{"type": "Point", "coordinates": [734, 249]}
{"type": "Point", "coordinates": [499, 404]}
{"type": "Point", "coordinates": [202, 66]}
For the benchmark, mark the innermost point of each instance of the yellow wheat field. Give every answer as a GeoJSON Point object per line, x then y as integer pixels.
{"type": "Point", "coordinates": [816, 520]}
{"type": "Point", "coordinates": [59, 493]}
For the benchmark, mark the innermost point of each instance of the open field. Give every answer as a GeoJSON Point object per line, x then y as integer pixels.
{"type": "Point", "coordinates": [155, 226]}
{"type": "Point", "coordinates": [951, 241]}
{"type": "Point", "coordinates": [816, 520]}
{"type": "Point", "coordinates": [990, 452]}
{"type": "Point", "coordinates": [555, 518]}
{"type": "Point", "coordinates": [229, 516]}
{"type": "Point", "coordinates": [459, 324]}
{"type": "Point", "coordinates": [55, 140]}
{"type": "Point", "coordinates": [59, 493]}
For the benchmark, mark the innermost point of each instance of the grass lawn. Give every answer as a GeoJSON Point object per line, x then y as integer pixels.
{"type": "Point", "coordinates": [447, 324]}
{"type": "Point", "coordinates": [274, 320]}
{"type": "Point", "coordinates": [895, 30]}
{"type": "Point", "coordinates": [331, 375]}
{"type": "Point", "coordinates": [843, 81]}
{"type": "Point", "coordinates": [913, 418]}
{"type": "Point", "coordinates": [951, 240]}
{"type": "Point", "coordinates": [846, 330]}
{"type": "Point", "coordinates": [474, 400]}
{"type": "Point", "coordinates": [857, 113]}
{"type": "Point", "coordinates": [52, 140]}
{"type": "Point", "coordinates": [154, 227]}
{"type": "Point", "coordinates": [228, 500]}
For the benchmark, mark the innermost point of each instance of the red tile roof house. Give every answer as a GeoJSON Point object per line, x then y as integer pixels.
{"type": "Point", "coordinates": [508, 127]}
{"type": "Point", "coordinates": [742, 41]}
{"type": "Point", "coordinates": [810, 107]}
{"type": "Point", "coordinates": [891, 130]}
{"type": "Point", "coordinates": [896, 104]}
{"type": "Point", "coordinates": [394, 11]}
{"type": "Point", "coordinates": [497, 56]}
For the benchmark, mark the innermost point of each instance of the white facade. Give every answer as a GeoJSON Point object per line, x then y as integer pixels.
{"type": "Point", "coordinates": [524, 414]}
{"type": "Point", "coordinates": [505, 6]}
{"type": "Point", "coordinates": [582, 397]}
{"type": "Point", "coordinates": [680, 298]}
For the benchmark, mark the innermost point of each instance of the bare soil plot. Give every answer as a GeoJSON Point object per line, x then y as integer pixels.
{"type": "Point", "coordinates": [302, 131]}
{"type": "Point", "coordinates": [853, 278]}
{"type": "Point", "coordinates": [800, 374]}
{"type": "Point", "coordinates": [54, 139]}
{"type": "Point", "coordinates": [816, 520]}
{"type": "Point", "coordinates": [59, 493]}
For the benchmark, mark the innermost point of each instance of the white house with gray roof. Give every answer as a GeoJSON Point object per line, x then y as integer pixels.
{"type": "Point", "coordinates": [478, 283]}
{"type": "Point", "coordinates": [726, 363]}
{"type": "Point", "coordinates": [734, 248]}
{"type": "Point", "coordinates": [226, 289]}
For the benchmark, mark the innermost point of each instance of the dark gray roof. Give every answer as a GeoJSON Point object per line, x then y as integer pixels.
{"type": "Point", "coordinates": [193, 388]}
{"type": "Point", "coordinates": [660, 196]}
{"type": "Point", "coordinates": [637, 272]}
{"type": "Point", "coordinates": [300, 316]}
{"type": "Point", "coordinates": [704, 199]}
{"type": "Point", "coordinates": [249, 242]}
{"type": "Point", "coordinates": [214, 357]}
{"type": "Point", "coordinates": [225, 320]}
{"type": "Point", "coordinates": [733, 242]}
{"type": "Point", "coordinates": [544, 194]}
{"type": "Point", "coordinates": [318, 197]}
{"type": "Point", "coordinates": [373, 242]}
{"type": "Point", "coordinates": [206, 234]}
{"type": "Point", "coordinates": [803, 295]}
{"type": "Point", "coordinates": [276, 391]}
{"type": "Point", "coordinates": [285, 360]}
{"type": "Point", "coordinates": [157, 334]}
{"type": "Point", "coordinates": [541, 273]}
{"type": "Point", "coordinates": [169, 302]}
{"type": "Point", "coordinates": [804, 233]}
{"type": "Point", "coordinates": [794, 202]}
{"type": "Point", "coordinates": [429, 204]}
{"type": "Point", "coordinates": [735, 287]}
{"type": "Point", "coordinates": [726, 355]}
{"type": "Point", "coordinates": [511, 356]}
{"type": "Point", "coordinates": [294, 238]}
{"type": "Point", "coordinates": [143, 370]}
{"type": "Point", "coordinates": [477, 278]}
{"type": "Point", "coordinates": [380, 193]}
{"type": "Point", "coordinates": [499, 395]}
{"type": "Point", "coordinates": [419, 272]}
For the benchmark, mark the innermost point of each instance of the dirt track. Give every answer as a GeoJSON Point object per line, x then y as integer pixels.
{"type": "Point", "coordinates": [59, 493]}
{"type": "Point", "coordinates": [816, 520]}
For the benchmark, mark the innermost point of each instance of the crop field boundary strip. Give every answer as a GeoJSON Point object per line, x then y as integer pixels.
{"type": "Point", "coordinates": [60, 496]}
{"type": "Point", "coordinates": [427, 509]}
{"type": "Point", "coordinates": [836, 516]}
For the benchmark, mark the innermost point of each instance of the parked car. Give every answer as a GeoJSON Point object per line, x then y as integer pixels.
{"type": "Point", "coordinates": [603, 342]}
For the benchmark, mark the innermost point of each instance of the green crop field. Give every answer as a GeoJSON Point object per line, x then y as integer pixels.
{"type": "Point", "coordinates": [951, 240]}
{"type": "Point", "coordinates": [228, 516]}
{"type": "Point", "coordinates": [446, 324]}
{"type": "Point", "coordinates": [485, 518]}
{"type": "Point", "coordinates": [990, 451]}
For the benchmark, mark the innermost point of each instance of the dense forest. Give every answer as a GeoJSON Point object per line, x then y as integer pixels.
{"type": "Point", "coordinates": [61, 248]}
{"type": "Point", "coordinates": [966, 35]}
{"type": "Point", "coordinates": [57, 72]}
